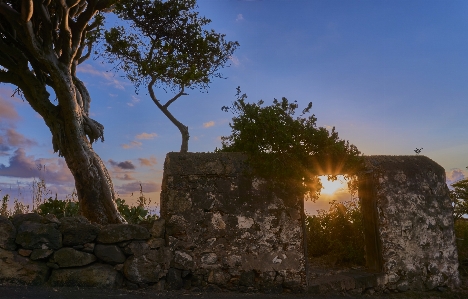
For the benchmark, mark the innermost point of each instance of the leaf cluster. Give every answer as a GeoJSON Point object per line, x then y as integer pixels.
{"type": "Point", "coordinates": [289, 151]}
{"type": "Point", "coordinates": [459, 196]}
{"type": "Point", "coordinates": [166, 43]}
{"type": "Point", "coordinates": [337, 234]}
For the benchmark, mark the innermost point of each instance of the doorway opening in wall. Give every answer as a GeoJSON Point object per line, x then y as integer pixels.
{"type": "Point", "coordinates": [334, 227]}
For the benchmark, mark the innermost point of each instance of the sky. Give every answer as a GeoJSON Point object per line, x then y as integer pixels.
{"type": "Point", "coordinates": [391, 76]}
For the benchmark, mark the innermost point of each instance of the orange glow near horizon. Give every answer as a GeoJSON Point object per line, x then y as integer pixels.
{"type": "Point", "coordinates": [330, 187]}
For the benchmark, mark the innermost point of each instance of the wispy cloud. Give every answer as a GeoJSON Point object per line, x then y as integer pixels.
{"type": "Point", "coordinates": [239, 17]}
{"type": "Point", "coordinates": [151, 161]}
{"type": "Point", "coordinates": [53, 171]}
{"type": "Point", "coordinates": [8, 111]}
{"type": "Point", "coordinates": [132, 144]}
{"type": "Point", "coordinates": [109, 77]}
{"type": "Point", "coordinates": [135, 187]}
{"type": "Point", "coordinates": [454, 175]}
{"type": "Point", "coordinates": [133, 101]}
{"type": "Point", "coordinates": [208, 124]}
{"type": "Point", "coordinates": [234, 60]}
{"type": "Point", "coordinates": [146, 136]}
{"type": "Point", "coordinates": [125, 177]}
{"type": "Point", "coordinates": [122, 165]}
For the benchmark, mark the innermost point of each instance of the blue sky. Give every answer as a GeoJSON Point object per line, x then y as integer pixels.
{"type": "Point", "coordinates": [391, 76]}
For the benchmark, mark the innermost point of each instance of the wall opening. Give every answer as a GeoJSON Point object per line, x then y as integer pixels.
{"type": "Point", "coordinates": [334, 228]}
{"type": "Point", "coordinates": [341, 229]}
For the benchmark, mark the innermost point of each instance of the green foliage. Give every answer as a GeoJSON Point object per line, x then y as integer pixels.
{"type": "Point", "coordinates": [59, 208]}
{"type": "Point", "coordinates": [134, 214]}
{"type": "Point", "coordinates": [166, 43]}
{"type": "Point", "coordinates": [138, 213]}
{"type": "Point", "coordinates": [461, 233]}
{"type": "Point", "coordinates": [288, 151]}
{"type": "Point", "coordinates": [70, 206]}
{"type": "Point", "coordinates": [459, 196]}
{"type": "Point", "coordinates": [337, 234]}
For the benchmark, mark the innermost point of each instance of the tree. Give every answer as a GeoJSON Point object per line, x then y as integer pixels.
{"type": "Point", "coordinates": [175, 51]}
{"type": "Point", "coordinates": [41, 45]}
{"type": "Point", "coordinates": [289, 152]}
{"type": "Point", "coordinates": [459, 196]}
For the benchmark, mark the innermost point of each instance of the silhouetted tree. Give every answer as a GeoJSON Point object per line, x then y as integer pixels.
{"type": "Point", "coordinates": [175, 51]}
{"type": "Point", "coordinates": [459, 196]}
{"type": "Point", "coordinates": [288, 151]}
{"type": "Point", "coordinates": [41, 45]}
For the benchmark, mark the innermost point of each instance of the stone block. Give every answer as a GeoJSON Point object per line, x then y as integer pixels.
{"type": "Point", "coordinates": [96, 275]}
{"type": "Point", "coordinates": [158, 229]}
{"type": "Point", "coordinates": [137, 248]}
{"type": "Point", "coordinates": [35, 235]}
{"type": "Point", "coordinates": [7, 234]}
{"type": "Point", "coordinates": [77, 231]}
{"type": "Point", "coordinates": [174, 279]}
{"type": "Point", "coordinates": [18, 219]}
{"type": "Point", "coordinates": [110, 254]}
{"type": "Point", "coordinates": [18, 269]}
{"type": "Point", "coordinates": [114, 233]}
{"type": "Point", "coordinates": [69, 257]}
{"type": "Point", "coordinates": [40, 254]}
{"type": "Point", "coordinates": [141, 269]}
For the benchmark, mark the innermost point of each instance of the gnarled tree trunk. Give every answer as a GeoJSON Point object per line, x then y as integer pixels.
{"type": "Point", "coordinates": [41, 44]}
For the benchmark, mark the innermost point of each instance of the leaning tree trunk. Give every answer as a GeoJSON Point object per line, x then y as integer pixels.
{"type": "Point", "coordinates": [184, 131]}
{"type": "Point", "coordinates": [41, 44]}
{"type": "Point", "coordinates": [73, 136]}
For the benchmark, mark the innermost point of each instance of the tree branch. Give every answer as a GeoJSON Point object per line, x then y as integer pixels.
{"type": "Point", "coordinates": [181, 93]}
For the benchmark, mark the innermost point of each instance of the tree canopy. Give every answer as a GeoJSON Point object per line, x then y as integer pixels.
{"type": "Point", "coordinates": [459, 196]}
{"type": "Point", "coordinates": [43, 42]}
{"type": "Point", "coordinates": [290, 151]}
{"type": "Point", "coordinates": [174, 50]}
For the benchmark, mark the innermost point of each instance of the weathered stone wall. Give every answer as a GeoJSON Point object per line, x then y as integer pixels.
{"type": "Point", "coordinates": [227, 230]}
{"type": "Point", "coordinates": [71, 251]}
{"type": "Point", "coordinates": [413, 220]}
{"type": "Point", "coordinates": [221, 230]}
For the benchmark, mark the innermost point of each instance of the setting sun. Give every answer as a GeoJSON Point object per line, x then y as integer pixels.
{"type": "Point", "coordinates": [330, 187]}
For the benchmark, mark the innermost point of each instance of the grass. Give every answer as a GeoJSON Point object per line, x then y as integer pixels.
{"type": "Point", "coordinates": [44, 204]}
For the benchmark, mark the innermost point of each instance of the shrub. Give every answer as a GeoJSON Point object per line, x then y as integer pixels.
{"type": "Point", "coordinates": [461, 233]}
{"type": "Point", "coordinates": [337, 234]}
{"type": "Point", "coordinates": [59, 208]}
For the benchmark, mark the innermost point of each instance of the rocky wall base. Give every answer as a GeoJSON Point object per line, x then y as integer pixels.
{"type": "Point", "coordinates": [36, 250]}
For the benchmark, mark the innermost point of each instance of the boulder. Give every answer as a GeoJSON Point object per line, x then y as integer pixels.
{"type": "Point", "coordinates": [96, 275]}
{"type": "Point", "coordinates": [158, 229]}
{"type": "Point", "coordinates": [183, 260]}
{"type": "Point", "coordinates": [7, 234]}
{"type": "Point", "coordinates": [114, 233]}
{"type": "Point", "coordinates": [137, 248]}
{"type": "Point", "coordinates": [77, 231]}
{"type": "Point", "coordinates": [69, 257]}
{"type": "Point", "coordinates": [39, 254]}
{"type": "Point", "coordinates": [156, 243]}
{"type": "Point", "coordinates": [18, 219]}
{"type": "Point", "coordinates": [147, 268]}
{"type": "Point", "coordinates": [19, 269]}
{"type": "Point", "coordinates": [219, 277]}
{"type": "Point", "coordinates": [35, 235]}
{"type": "Point", "coordinates": [142, 270]}
{"type": "Point", "coordinates": [174, 279]}
{"type": "Point", "coordinates": [110, 254]}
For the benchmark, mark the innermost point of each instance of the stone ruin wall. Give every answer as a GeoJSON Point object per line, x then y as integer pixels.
{"type": "Point", "coordinates": [219, 230]}
{"type": "Point", "coordinates": [229, 230]}
{"type": "Point", "coordinates": [413, 214]}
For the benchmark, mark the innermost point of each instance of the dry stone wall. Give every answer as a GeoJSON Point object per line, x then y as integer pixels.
{"type": "Point", "coordinates": [37, 250]}
{"type": "Point", "coordinates": [229, 231]}
{"type": "Point", "coordinates": [416, 246]}
{"type": "Point", "coordinates": [220, 229]}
